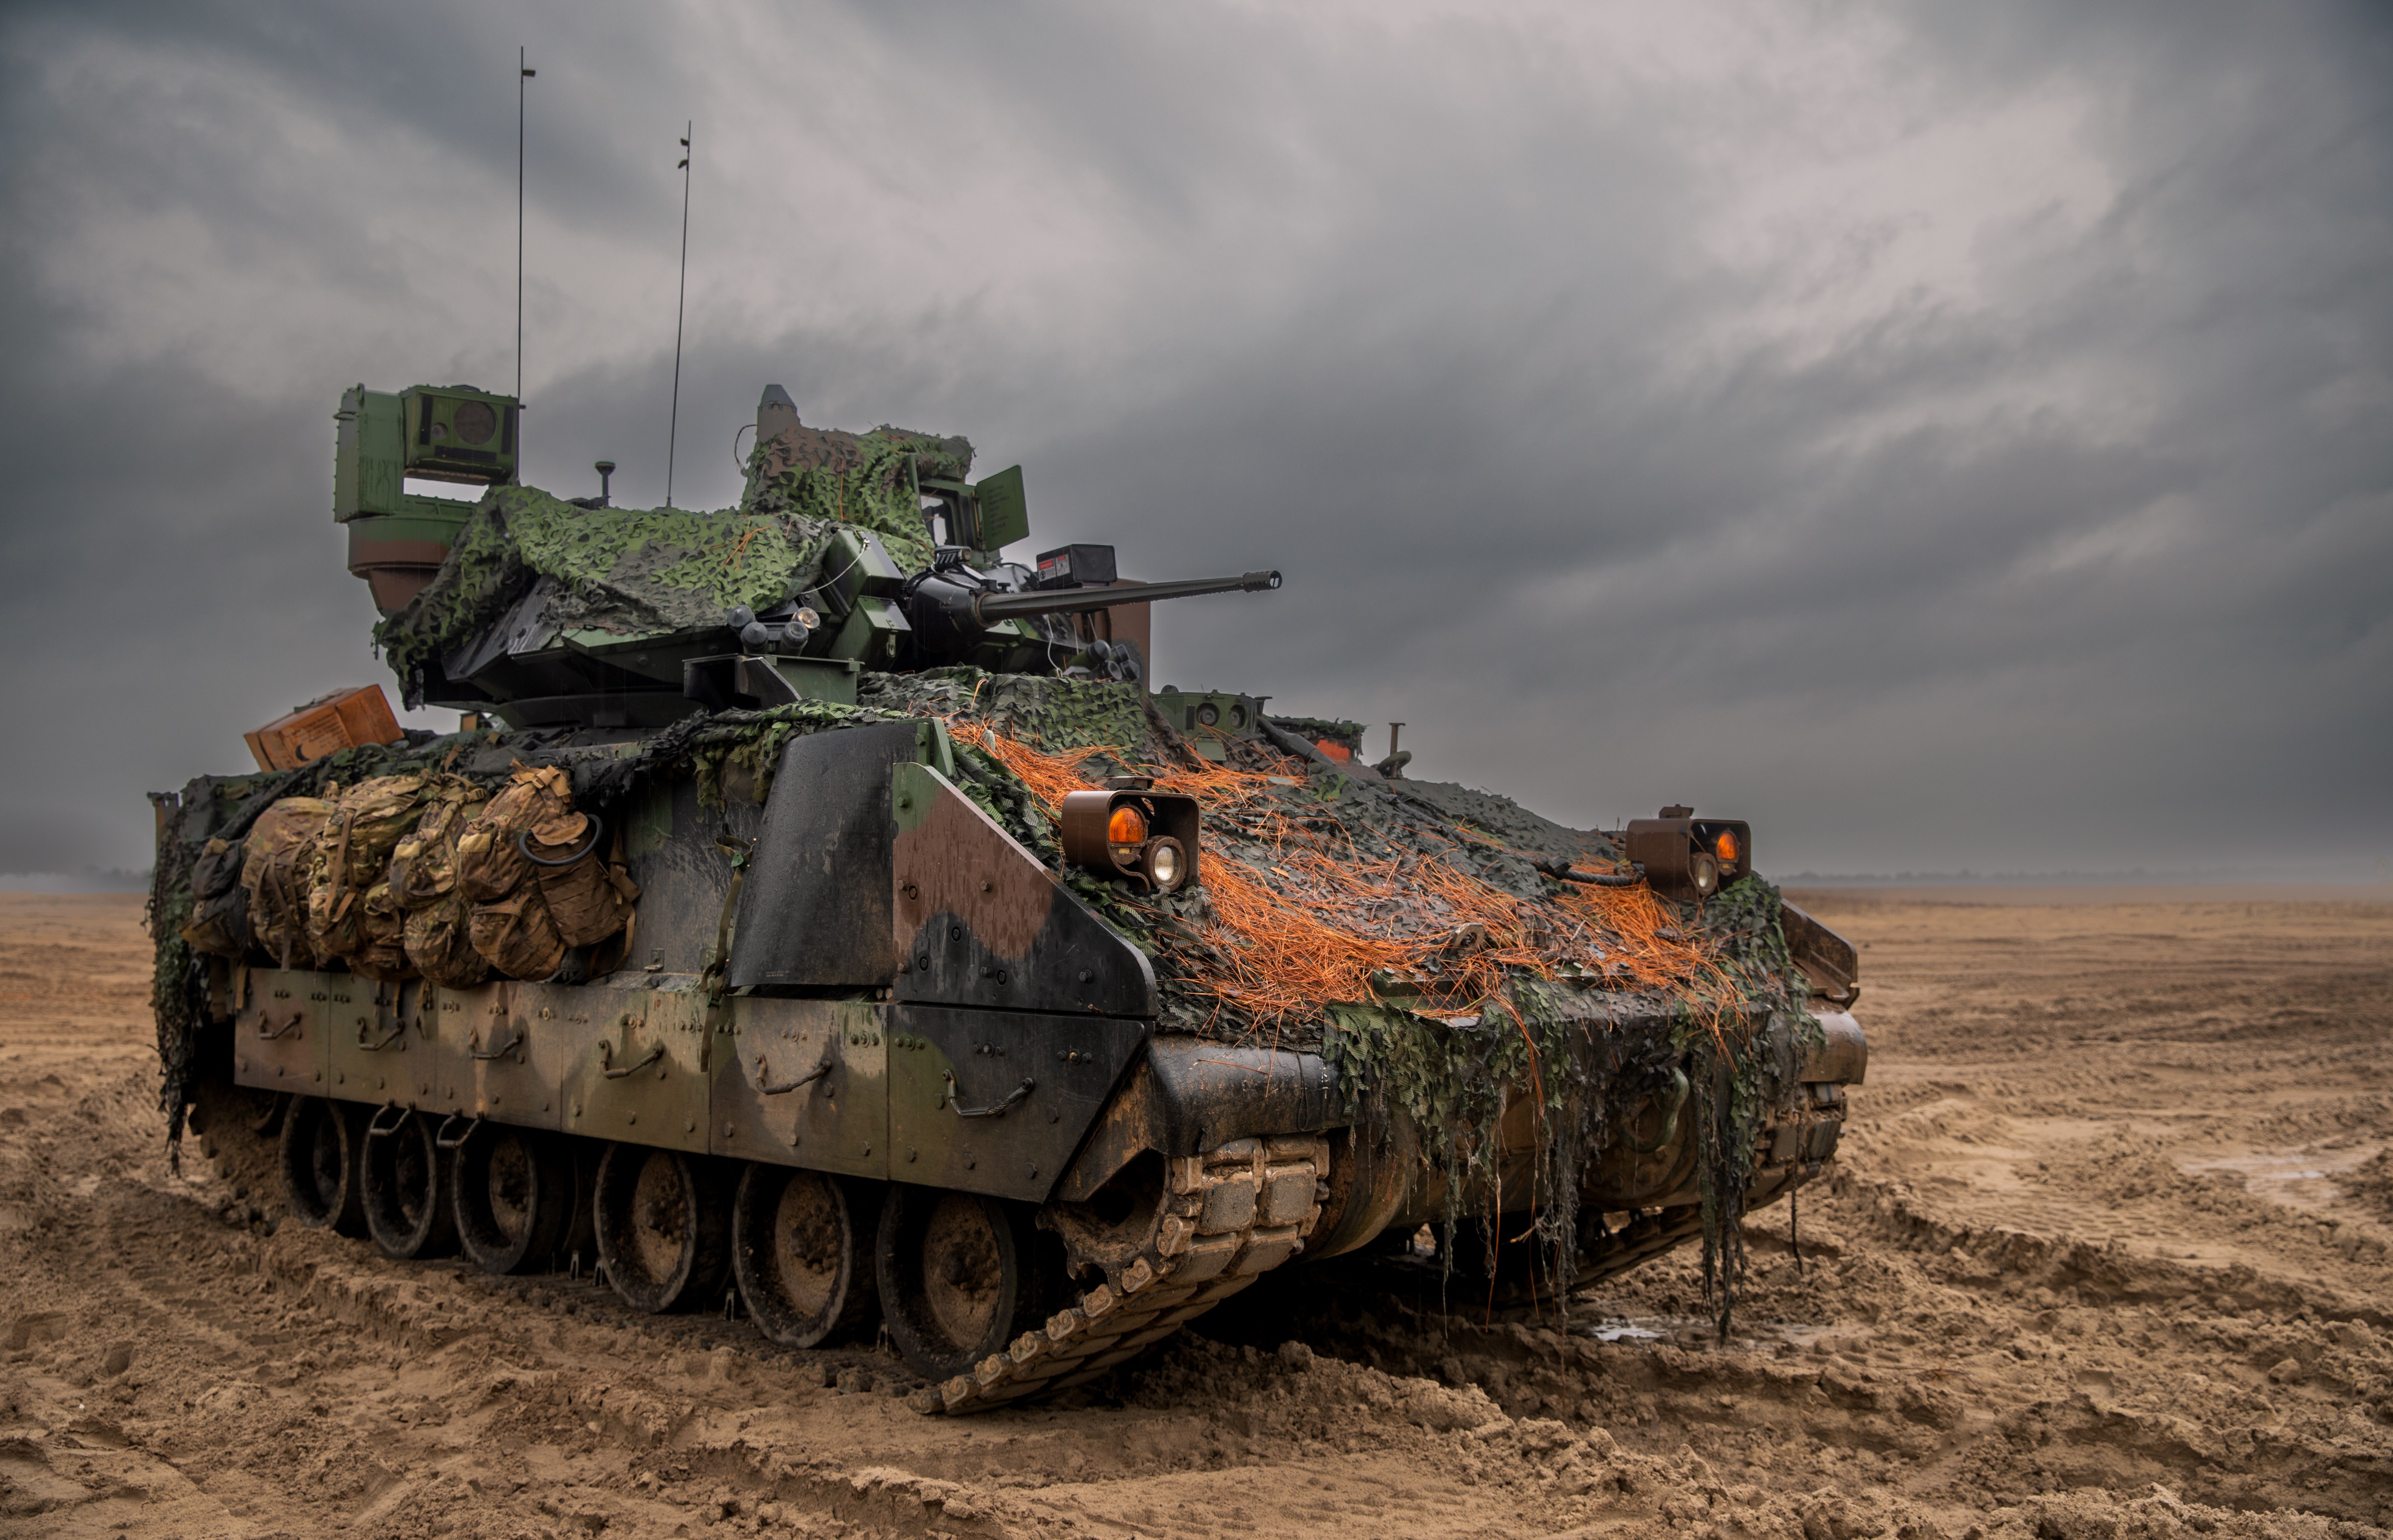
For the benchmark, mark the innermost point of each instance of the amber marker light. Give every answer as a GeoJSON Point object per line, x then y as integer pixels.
{"type": "Point", "coordinates": [1687, 857]}
{"type": "Point", "coordinates": [1132, 830]}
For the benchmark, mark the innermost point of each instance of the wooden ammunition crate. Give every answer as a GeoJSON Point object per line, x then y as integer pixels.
{"type": "Point", "coordinates": [326, 724]}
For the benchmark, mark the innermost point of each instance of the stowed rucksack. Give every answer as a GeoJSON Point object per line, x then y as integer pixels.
{"type": "Point", "coordinates": [590, 899]}
{"type": "Point", "coordinates": [423, 883]}
{"type": "Point", "coordinates": [534, 867]}
{"type": "Point", "coordinates": [219, 921]}
{"type": "Point", "coordinates": [490, 862]}
{"type": "Point", "coordinates": [348, 858]}
{"type": "Point", "coordinates": [423, 866]}
{"type": "Point", "coordinates": [271, 873]}
{"type": "Point", "coordinates": [511, 927]}
{"type": "Point", "coordinates": [420, 873]}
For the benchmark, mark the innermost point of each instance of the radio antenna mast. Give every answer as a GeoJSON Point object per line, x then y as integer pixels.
{"type": "Point", "coordinates": [523, 73]}
{"type": "Point", "coordinates": [672, 433]}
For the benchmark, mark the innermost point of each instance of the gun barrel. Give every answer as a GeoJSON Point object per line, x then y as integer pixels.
{"type": "Point", "coordinates": [989, 608]}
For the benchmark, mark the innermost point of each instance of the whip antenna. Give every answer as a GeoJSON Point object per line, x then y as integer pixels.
{"type": "Point", "coordinates": [672, 433]}
{"type": "Point", "coordinates": [523, 73]}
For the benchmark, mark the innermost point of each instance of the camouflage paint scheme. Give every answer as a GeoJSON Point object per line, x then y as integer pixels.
{"type": "Point", "coordinates": [1005, 979]}
{"type": "Point", "coordinates": [1001, 1048]}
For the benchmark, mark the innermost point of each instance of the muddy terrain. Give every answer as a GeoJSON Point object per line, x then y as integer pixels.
{"type": "Point", "coordinates": [2109, 1257]}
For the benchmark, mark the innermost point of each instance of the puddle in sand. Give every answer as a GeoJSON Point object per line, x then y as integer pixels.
{"type": "Point", "coordinates": [1688, 1331]}
{"type": "Point", "coordinates": [2294, 1178]}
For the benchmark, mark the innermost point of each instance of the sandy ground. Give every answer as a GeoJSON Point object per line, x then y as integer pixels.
{"type": "Point", "coordinates": [2108, 1258]}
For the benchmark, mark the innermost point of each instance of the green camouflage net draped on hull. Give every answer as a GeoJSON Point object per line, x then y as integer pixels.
{"type": "Point", "coordinates": [1054, 714]}
{"type": "Point", "coordinates": [1487, 978]}
{"type": "Point", "coordinates": [1494, 976]}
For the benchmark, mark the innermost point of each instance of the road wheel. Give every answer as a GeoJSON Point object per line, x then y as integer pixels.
{"type": "Point", "coordinates": [664, 1223]}
{"type": "Point", "coordinates": [962, 1275]}
{"type": "Point", "coordinates": [514, 1199]}
{"type": "Point", "coordinates": [801, 1247]}
{"type": "Point", "coordinates": [318, 1156]}
{"type": "Point", "coordinates": [406, 1189]}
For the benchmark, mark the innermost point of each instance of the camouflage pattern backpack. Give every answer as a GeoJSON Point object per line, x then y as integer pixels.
{"type": "Point", "coordinates": [490, 861]}
{"type": "Point", "coordinates": [590, 899]}
{"type": "Point", "coordinates": [439, 943]}
{"type": "Point", "coordinates": [278, 895]}
{"type": "Point", "coordinates": [517, 937]}
{"type": "Point", "coordinates": [219, 922]}
{"type": "Point", "coordinates": [349, 855]}
{"type": "Point", "coordinates": [423, 866]}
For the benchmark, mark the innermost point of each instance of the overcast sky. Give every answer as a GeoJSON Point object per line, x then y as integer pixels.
{"type": "Point", "coordinates": [1949, 437]}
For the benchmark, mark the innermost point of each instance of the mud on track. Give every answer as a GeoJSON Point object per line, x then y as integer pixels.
{"type": "Point", "coordinates": [2109, 1258]}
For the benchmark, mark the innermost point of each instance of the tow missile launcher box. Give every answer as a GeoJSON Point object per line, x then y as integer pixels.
{"type": "Point", "coordinates": [451, 434]}
{"type": "Point", "coordinates": [818, 906]}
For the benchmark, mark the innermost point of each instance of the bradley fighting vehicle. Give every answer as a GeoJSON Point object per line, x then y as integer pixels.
{"type": "Point", "coordinates": [818, 906]}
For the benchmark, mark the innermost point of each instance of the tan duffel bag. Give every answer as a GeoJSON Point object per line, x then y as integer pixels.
{"type": "Point", "coordinates": [440, 942]}
{"type": "Point", "coordinates": [270, 871]}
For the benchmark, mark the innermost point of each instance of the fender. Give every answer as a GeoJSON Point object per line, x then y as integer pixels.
{"type": "Point", "coordinates": [1187, 1095]}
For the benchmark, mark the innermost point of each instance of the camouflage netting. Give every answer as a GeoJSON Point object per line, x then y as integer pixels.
{"type": "Point", "coordinates": [1401, 929]}
{"type": "Point", "coordinates": [1033, 708]}
{"type": "Point", "coordinates": [624, 571]}
{"type": "Point", "coordinates": [630, 571]}
{"type": "Point", "coordinates": [873, 479]}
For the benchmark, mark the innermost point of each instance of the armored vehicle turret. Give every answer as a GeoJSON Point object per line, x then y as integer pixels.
{"type": "Point", "coordinates": [850, 551]}
{"type": "Point", "coordinates": [818, 909]}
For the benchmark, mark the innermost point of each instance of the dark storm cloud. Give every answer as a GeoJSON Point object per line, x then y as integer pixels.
{"type": "Point", "coordinates": [1948, 437]}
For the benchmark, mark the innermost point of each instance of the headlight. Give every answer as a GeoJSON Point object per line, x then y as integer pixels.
{"type": "Point", "coordinates": [1129, 830]}
{"type": "Point", "coordinates": [1684, 856]}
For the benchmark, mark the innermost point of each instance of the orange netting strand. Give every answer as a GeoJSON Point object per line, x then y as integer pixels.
{"type": "Point", "coordinates": [1332, 919]}
{"type": "Point", "coordinates": [1049, 777]}
{"type": "Point", "coordinates": [739, 553]}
